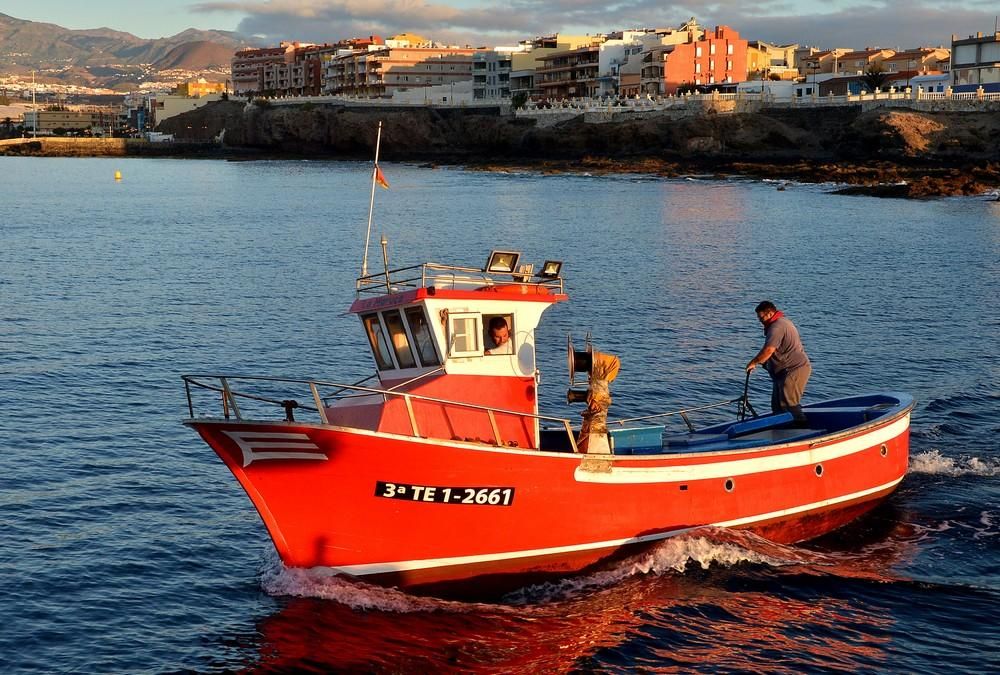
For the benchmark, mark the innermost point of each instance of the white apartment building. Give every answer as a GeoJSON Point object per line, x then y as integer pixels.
{"type": "Point", "coordinates": [491, 72]}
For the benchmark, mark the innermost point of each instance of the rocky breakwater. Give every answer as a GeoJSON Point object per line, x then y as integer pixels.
{"type": "Point", "coordinates": [891, 152]}
{"type": "Point", "coordinates": [55, 146]}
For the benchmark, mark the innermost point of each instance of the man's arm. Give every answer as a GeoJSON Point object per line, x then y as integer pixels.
{"type": "Point", "coordinates": [762, 356]}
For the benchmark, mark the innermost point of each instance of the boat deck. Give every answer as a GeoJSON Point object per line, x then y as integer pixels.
{"type": "Point", "coordinates": [773, 429]}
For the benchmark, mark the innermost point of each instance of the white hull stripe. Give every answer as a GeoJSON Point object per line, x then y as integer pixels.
{"type": "Point", "coordinates": [278, 445]}
{"type": "Point", "coordinates": [407, 565]}
{"type": "Point", "coordinates": [742, 467]}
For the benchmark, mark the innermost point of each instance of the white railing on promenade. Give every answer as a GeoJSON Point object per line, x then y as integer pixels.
{"type": "Point", "coordinates": [729, 102]}
{"type": "Point", "coordinates": [332, 99]}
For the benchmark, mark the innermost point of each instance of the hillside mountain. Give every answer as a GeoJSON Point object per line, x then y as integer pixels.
{"type": "Point", "coordinates": [102, 52]}
{"type": "Point", "coordinates": [196, 55]}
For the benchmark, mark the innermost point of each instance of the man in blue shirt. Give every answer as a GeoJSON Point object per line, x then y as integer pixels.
{"type": "Point", "coordinates": [785, 360]}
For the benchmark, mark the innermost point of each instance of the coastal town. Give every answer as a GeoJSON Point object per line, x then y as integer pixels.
{"type": "Point", "coordinates": [639, 68]}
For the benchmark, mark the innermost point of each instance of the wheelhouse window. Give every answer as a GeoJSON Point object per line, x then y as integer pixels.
{"type": "Point", "coordinates": [464, 335]}
{"type": "Point", "coordinates": [377, 342]}
{"type": "Point", "coordinates": [422, 337]}
{"type": "Point", "coordinates": [400, 340]}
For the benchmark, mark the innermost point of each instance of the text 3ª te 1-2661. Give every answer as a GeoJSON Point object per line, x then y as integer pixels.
{"type": "Point", "coordinates": [481, 496]}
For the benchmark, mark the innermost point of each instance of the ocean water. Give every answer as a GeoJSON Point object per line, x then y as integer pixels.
{"type": "Point", "coordinates": [126, 546]}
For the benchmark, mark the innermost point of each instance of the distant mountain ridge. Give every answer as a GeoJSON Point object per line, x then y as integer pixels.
{"type": "Point", "coordinates": [89, 54]}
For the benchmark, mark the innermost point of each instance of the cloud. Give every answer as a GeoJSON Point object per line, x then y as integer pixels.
{"type": "Point", "coordinates": [829, 23]}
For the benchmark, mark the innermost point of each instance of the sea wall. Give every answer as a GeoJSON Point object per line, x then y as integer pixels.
{"type": "Point", "coordinates": [55, 146]}
{"type": "Point", "coordinates": [935, 151]}
{"type": "Point", "coordinates": [725, 130]}
{"type": "Point", "coordinates": [65, 147]}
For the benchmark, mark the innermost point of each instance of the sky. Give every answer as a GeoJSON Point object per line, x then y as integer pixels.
{"type": "Point", "coordinates": [824, 24]}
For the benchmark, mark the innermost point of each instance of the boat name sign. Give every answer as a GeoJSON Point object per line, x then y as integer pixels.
{"type": "Point", "coordinates": [482, 496]}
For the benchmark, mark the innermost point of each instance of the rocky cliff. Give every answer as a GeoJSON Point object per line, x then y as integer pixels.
{"type": "Point", "coordinates": [932, 153]}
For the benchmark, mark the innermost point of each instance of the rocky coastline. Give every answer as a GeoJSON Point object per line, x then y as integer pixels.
{"type": "Point", "coordinates": [885, 152]}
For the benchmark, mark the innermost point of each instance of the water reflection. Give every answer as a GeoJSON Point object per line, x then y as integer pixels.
{"type": "Point", "coordinates": [747, 617]}
{"type": "Point", "coordinates": [667, 620]}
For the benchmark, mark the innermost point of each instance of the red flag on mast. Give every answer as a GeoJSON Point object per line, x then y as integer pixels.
{"type": "Point", "coordinates": [380, 178]}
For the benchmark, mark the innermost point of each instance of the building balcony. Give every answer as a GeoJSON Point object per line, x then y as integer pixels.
{"type": "Point", "coordinates": [567, 67]}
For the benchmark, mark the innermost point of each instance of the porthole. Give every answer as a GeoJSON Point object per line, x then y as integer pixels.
{"type": "Point", "coordinates": [819, 469]}
{"type": "Point", "coordinates": [729, 484]}
{"type": "Point", "coordinates": [884, 451]}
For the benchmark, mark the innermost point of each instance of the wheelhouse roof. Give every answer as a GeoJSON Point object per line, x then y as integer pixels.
{"type": "Point", "coordinates": [407, 285]}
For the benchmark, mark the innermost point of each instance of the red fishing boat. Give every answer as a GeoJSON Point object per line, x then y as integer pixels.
{"type": "Point", "coordinates": [443, 472]}
{"type": "Point", "coordinates": [439, 474]}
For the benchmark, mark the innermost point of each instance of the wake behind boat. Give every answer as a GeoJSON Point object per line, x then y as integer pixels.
{"type": "Point", "coordinates": [440, 474]}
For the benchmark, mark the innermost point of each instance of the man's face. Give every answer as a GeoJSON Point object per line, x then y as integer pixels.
{"type": "Point", "coordinates": [500, 335]}
{"type": "Point", "coordinates": [765, 316]}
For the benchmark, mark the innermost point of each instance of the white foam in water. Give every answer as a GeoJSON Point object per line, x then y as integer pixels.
{"type": "Point", "coordinates": [675, 554]}
{"type": "Point", "coordinates": [711, 547]}
{"type": "Point", "coordinates": [323, 583]}
{"type": "Point", "coordinates": [720, 547]}
{"type": "Point", "coordinates": [934, 462]}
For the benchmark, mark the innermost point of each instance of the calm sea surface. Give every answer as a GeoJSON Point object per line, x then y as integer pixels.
{"type": "Point", "coordinates": [126, 546]}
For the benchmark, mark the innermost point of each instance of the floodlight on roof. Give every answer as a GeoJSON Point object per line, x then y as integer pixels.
{"type": "Point", "coordinates": [502, 261]}
{"type": "Point", "coordinates": [551, 269]}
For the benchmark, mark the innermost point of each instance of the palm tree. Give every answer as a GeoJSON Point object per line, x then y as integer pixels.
{"type": "Point", "coordinates": [875, 76]}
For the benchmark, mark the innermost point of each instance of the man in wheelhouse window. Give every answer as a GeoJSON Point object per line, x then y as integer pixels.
{"type": "Point", "coordinates": [498, 337]}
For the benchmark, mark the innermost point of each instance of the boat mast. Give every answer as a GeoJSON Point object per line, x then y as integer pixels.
{"type": "Point", "coordinates": [371, 203]}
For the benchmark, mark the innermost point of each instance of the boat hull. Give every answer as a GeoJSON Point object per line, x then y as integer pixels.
{"type": "Point", "coordinates": [431, 515]}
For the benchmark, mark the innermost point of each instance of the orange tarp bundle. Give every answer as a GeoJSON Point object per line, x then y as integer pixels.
{"type": "Point", "coordinates": [595, 417]}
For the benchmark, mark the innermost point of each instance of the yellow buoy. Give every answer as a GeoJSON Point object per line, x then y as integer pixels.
{"type": "Point", "coordinates": [118, 175]}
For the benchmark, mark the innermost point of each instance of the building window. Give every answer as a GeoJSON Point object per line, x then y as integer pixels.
{"type": "Point", "coordinates": [697, 67]}
{"type": "Point", "coordinates": [729, 49]}
{"type": "Point", "coordinates": [697, 52]}
{"type": "Point", "coordinates": [711, 49]}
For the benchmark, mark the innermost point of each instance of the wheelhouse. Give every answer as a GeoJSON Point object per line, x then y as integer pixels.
{"type": "Point", "coordinates": [457, 333]}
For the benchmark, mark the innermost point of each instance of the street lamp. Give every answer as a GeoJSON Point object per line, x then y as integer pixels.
{"type": "Point", "coordinates": [34, 121]}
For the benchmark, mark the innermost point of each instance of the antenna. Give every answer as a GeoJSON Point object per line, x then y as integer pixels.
{"type": "Point", "coordinates": [385, 262]}
{"type": "Point", "coordinates": [371, 203]}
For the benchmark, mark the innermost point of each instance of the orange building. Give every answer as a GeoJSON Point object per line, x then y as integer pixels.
{"type": "Point", "coordinates": [200, 87]}
{"type": "Point", "coordinates": [379, 72]}
{"type": "Point", "coordinates": [248, 66]}
{"type": "Point", "coordinates": [718, 57]}
{"type": "Point", "coordinates": [570, 73]}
